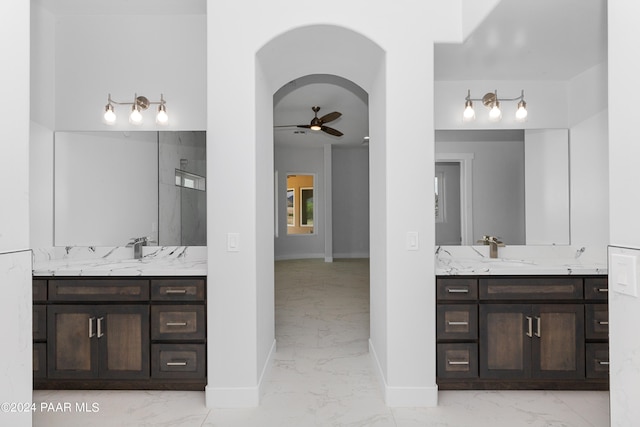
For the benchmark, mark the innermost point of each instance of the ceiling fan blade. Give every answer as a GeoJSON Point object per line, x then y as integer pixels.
{"type": "Point", "coordinates": [304, 126]}
{"type": "Point", "coordinates": [285, 126]}
{"type": "Point", "coordinates": [330, 117]}
{"type": "Point", "coordinates": [331, 131]}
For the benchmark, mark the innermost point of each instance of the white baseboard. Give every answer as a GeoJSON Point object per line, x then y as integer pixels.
{"type": "Point", "coordinates": [286, 257]}
{"type": "Point", "coordinates": [426, 397]}
{"type": "Point", "coordinates": [352, 255]}
{"type": "Point", "coordinates": [240, 397]}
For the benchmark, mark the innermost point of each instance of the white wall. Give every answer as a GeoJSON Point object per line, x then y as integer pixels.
{"type": "Point", "coordinates": [546, 154]}
{"type": "Point", "coordinates": [350, 211]}
{"type": "Point", "coordinates": [240, 120]}
{"type": "Point", "coordinates": [304, 161]}
{"type": "Point", "coordinates": [15, 259]}
{"type": "Point", "coordinates": [624, 205]}
{"type": "Point", "coordinates": [145, 54]}
{"type": "Point", "coordinates": [106, 187]}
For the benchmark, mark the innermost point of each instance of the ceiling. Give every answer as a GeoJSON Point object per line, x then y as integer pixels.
{"type": "Point", "coordinates": [519, 40]}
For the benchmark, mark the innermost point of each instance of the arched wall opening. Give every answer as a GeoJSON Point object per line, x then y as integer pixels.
{"type": "Point", "coordinates": [350, 55]}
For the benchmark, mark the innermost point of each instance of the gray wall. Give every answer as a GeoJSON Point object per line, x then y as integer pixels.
{"type": "Point", "coordinates": [350, 182]}
{"type": "Point", "coordinates": [498, 180]}
{"type": "Point", "coordinates": [350, 197]}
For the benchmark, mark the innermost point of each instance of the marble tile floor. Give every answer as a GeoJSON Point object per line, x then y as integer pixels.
{"type": "Point", "coordinates": [323, 376]}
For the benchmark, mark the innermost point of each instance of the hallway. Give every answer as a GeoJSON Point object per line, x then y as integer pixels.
{"type": "Point", "coordinates": [322, 375]}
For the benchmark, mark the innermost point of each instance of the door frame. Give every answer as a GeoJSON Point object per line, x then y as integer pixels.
{"type": "Point", "coordinates": [466, 191]}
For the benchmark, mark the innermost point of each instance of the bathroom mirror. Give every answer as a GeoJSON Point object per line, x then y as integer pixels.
{"type": "Point", "coordinates": [112, 186]}
{"type": "Point", "coordinates": [513, 184]}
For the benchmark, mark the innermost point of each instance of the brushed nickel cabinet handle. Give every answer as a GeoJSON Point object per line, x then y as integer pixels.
{"type": "Point", "coordinates": [537, 334]}
{"type": "Point", "coordinates": [176, 363]}
{"type": "Point", "coordinates": [457, 291]}
{"type": "Point", "coordinates": [176, 291]}
{"type": "Point", "coordinates": [91, 334]}
{"type": "Point", "coordinates": [100, 334]}
{"type": "Point", "coordinates": [603, 290]}
{"type": "Point", "coordinates": [458, 323]}
{"type": "Point", "coordinates": [603, 362]}
{"type": "Point", "coordinates": [176, 323]}
{"type": "Point", "coordinates": [603, 323]}
{"type": "Point", "coordinates": [529, 326]}
{"type": "Point", "coordinates": [457, 362]}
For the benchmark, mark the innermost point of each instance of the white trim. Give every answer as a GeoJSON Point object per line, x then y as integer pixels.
{"type": "Point", "coordinates": [240, 397]}
{"type": "Point", "coordinates": [466, 191]}
{"type": "Point", "coordinates": [351, 255]}
{"type": "Point", "coordinates": [423, 397]}
{"type": "Point", "coordinates": [296, 255]}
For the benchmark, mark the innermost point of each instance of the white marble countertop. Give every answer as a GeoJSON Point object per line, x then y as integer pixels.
{"type": "Point", "coordinates": [520, 260]}
{"type": "Point", "coordinates": [119, 261]}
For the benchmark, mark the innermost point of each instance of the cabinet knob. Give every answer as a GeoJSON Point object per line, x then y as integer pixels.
{"type": "Point", "coordinates": [457, 362]}
{"type": "Point", "coordinates": [457, 291]}
{"type": "Point", "coordinates": [176, 323]}
{"type": "Point", "coordinates": [176, 363]}
{"type": "Point", "coordinates": [176, 291]}
{"type": "Point", "coordinates": [458, 323]}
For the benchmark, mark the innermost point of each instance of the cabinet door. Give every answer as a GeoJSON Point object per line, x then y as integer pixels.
{"type": "Point", "coordinates": [123, 336]}
{"type": "Point", "coordinates": [72, 347]}
{"type": "Point", "coordinates": [558, 341]}
{"type": "Point", "coordinates": [505, 345]}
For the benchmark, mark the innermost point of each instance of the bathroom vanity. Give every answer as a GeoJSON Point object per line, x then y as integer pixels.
{"type": "Point", "coordinates": [104, 323]}
{"type": "Point", "coordinates": [538, 325]}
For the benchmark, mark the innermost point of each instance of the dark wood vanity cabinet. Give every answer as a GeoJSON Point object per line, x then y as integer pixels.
{"type": "Point", "coordinates": [101, 334]}
{"type": "Point", "coordinates": [541, 332]}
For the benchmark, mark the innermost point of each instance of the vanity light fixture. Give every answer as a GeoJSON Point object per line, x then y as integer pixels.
{"type": "Point", "coordinates": [491, 101]}
{"type": "Point", "coordinates": [139, 104]}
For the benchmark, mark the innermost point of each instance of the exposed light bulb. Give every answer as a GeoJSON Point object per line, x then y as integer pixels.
{"type": "Point", "coordinates": [109, 114]}
{"type": "Point", "coordinates": [469, 113]}
{"type": "Point", "coordinates": [162, 118]}
{"type": "Point", "coordinates": [135, 118]}
{"type": "Point", "coordinates": [495, 114]}
{"type": "Point", "coordinates": [521, 112]}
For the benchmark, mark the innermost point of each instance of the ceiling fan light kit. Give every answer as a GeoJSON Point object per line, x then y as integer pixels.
{"type": "Point", "coordinates": [491, 101]}
{"type": "Point", "coordinates": [318, 123]}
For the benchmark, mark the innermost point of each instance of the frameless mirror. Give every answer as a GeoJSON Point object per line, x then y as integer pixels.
{"type": "Point", "coordinates": [112, 186]}
{"type": "Point", "coordinates": [512, 184]}
{"type": "Point", "coordinates": [300, 204]}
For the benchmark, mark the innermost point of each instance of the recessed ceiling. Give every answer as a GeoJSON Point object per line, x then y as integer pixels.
{"type": "Point", "coordinates": [529, 40]}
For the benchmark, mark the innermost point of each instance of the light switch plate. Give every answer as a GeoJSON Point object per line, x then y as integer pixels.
{"type": "Point", "coordinates": [233, 242]}
{"type": "Point", "coordinates": [413, 242]}
{"type": "Point", "coordinates": [624, 274]}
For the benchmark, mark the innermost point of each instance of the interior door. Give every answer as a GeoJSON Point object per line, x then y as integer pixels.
{"type": "Point", "coordinates": [448, 219]}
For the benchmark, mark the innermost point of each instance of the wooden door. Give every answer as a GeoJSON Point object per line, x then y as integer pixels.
{"type": "Point", "coordinates": [505, 345]}
{"type": "Point", "coordinates": [558, 341]}
{"type": "Point", "coordinates": [123, 337]}
{"type": "Point", "coordinates": [71, 344]}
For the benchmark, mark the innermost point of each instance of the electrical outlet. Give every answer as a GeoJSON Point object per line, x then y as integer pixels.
{"type": "Point", "coordinates": [624, 275]}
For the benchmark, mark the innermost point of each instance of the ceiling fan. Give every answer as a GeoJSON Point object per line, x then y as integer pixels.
{"type": "Point", "coordinates": [318, 123]}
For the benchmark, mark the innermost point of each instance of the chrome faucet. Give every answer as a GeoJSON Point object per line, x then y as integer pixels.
{"type": "Point", "coordinates": [493, 243]}
{"type": "Point", "coordinates": [138, 243]}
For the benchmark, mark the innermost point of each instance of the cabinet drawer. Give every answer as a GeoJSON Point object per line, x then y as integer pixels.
{"type": "Point", "coordinates": [39, 322]}
{"type": "Point", "coordinates": [458, 360]}
{"type": "Point", "coordinates": [596, 288]}
{"type": "Point", "coordinates": [456, 289]}
{"type": "Point", "coordinates": [177, 322]}
{"type": "Point", "coordinates": [39, 360]}
{"type": "Point", "coordinates": [178, 361]}
{"type": "Point", "coordinates": [39, 290]}
{"type": "Point", "coordinates": [597, 321]}
{"type": "Point", "coordinates": [177, 289]}
{"type": "Point", "coordinates": [542, 288]}
{"type": "Point", "coordinates": [99, 290]}
{"type": "Point", "coordinates": [457, 321]}
{"type": "Point", "coordinates": [597, 360]}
